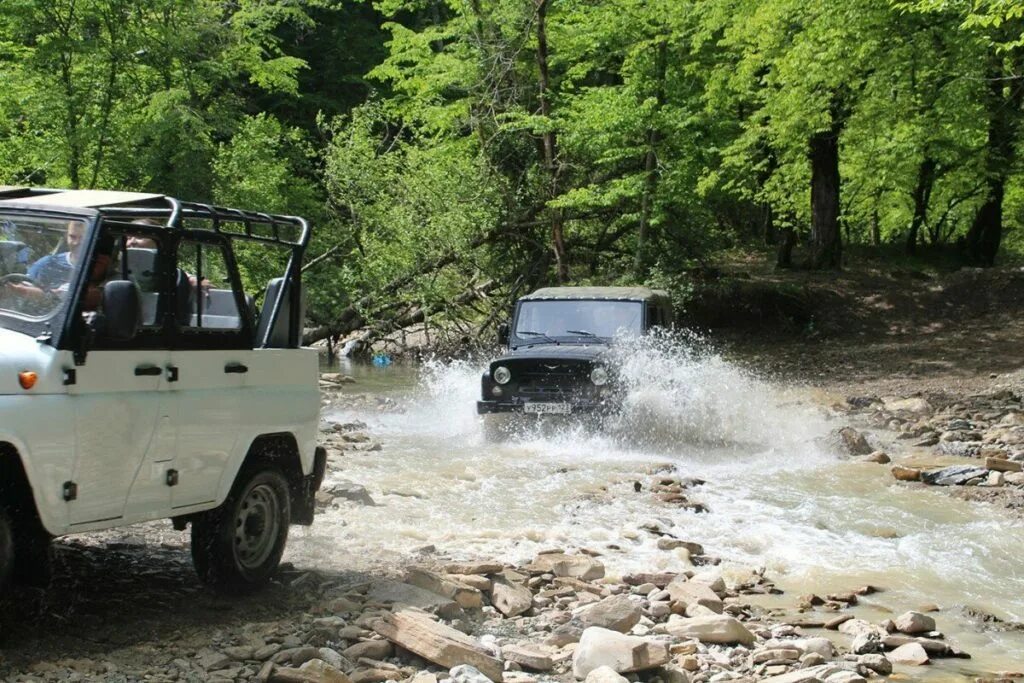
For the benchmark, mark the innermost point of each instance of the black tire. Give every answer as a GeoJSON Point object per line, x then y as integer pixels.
{"type": "Point", "coordinates": [6, 548]}
{"type": "Point", "coordinates": [237, 547]}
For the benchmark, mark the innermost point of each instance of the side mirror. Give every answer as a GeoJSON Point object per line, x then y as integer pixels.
{"type": "Point", "coordinates": [503, 334]}
{"type": "Point", "coordinates": [122, 310]}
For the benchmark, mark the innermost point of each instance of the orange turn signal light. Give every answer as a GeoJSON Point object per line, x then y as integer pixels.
{"type": "Point", "coordinates": [27, 379]}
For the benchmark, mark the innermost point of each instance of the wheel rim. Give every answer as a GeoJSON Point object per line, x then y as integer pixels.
{"type": "Point", "coordinates": [257, 524]}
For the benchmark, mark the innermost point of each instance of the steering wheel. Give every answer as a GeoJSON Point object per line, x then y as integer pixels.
{"type": "Point", "coordinates": [19, 278]}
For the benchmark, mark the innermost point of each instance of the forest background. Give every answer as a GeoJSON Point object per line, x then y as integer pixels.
{"type": "Point", "coordinates": [454, 154]}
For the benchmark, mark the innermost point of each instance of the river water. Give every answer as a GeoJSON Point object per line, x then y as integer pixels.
{"type": "Point", "coordinates": [779, 495]}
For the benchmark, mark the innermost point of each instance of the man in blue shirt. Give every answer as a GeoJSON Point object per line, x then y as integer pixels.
{"type": "Point", "coordinates": [54, 271]}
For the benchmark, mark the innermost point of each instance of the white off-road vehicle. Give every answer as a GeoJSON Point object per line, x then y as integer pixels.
{"type": "Point", "coordinates": [140, 379]}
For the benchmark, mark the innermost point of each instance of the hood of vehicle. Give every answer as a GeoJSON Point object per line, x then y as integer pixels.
{"type": "Point", "coordinates": [555, 352]}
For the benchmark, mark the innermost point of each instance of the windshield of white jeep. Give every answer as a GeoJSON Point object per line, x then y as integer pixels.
{"type": "Point", "coordinates": [539, 321]}
{"type": "Point", "coordinates": [38, 260]}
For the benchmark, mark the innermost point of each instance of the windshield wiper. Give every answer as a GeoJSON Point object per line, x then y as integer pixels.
{"type": "Point", "coordinates": [530, 333]}
{"type": "Point", "coordinates": [582, 333]}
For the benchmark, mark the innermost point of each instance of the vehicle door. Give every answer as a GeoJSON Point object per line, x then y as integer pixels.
{"type": "Point", "coordinates": [210, 360]}
{"type": "Point", "coordinates": [124, 421]}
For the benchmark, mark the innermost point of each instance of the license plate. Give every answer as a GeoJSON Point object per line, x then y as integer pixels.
{"type": "Point", "coordinates": [547, 408]}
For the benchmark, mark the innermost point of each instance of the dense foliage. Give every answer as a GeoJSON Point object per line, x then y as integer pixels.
{"type": "Point", "coordinates": [450, 150]}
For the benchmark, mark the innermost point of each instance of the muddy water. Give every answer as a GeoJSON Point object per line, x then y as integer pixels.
{"type": "Point", "coordinates": [779, 496]}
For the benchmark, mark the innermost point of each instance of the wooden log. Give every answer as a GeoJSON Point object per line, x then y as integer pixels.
{"type": "Point", "coordinates": [435, 642]}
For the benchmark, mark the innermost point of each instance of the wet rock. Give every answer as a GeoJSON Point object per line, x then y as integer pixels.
{"type": "Point", "coordinates": [666, 543]}
{"type": "Point", "coordinates": [617, 613]}
{"type": "Point", "coordinates": [956, 475]}
{"type": "Point", "coordinates": [879, 457]}
{"type": "Point", "coordinates": [913, 623]}
{"type": "Point", "coordinates": [602, 647]}
{"type": "Point", "coordinates": [904, 473]}
{"type": "Point", "coordinates": [866, 643]}
{"type": "Point", "coordinates": [911, 654]}
{"type": "Point", "coordinates": [854, 442]}
{"type": "Point", "coordinates": [337, 378]}
{"type": "Point", "coordinates": [719, 629]}
{"type": "Point", "coordinates": [348, 490]}
{"type": "Point", "coordinates": [880, 664]}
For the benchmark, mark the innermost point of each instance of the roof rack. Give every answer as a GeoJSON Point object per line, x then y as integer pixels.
{"type": "Point", "coordinates": [177, 212]}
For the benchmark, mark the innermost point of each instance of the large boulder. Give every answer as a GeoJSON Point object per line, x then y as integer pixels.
{"type": "Point", "coordinates": [854, 442]}
{"type": "Point", "coordinates": [720, 629]}
{"type": "Point", "coordinates": [623, 654]}
{"type": "Point", "coordinates": [617, 613]}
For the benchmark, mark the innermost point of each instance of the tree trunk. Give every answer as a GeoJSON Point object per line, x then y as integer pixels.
{"type": "Point", "coordinates": [550, 144]}
{"type": "Point", "coordinates": [922, 196]}
{"type": "Point", "coordinates": [982, 240]}
{"type": "Point", "coordinates": [826, 241]}
{"type": "Point", "coordinates": [784, 255]}
{"type": "Point", "coordinates": [650, 170]}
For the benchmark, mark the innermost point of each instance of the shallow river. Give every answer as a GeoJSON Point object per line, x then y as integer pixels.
{"type": "Point", "coordinates": [779, 496]}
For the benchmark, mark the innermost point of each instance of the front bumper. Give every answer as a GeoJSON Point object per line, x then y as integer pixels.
{"type": "Point", "coordinates": [304, 502]}
{"type": "Point", "coordinates": [576, 407]}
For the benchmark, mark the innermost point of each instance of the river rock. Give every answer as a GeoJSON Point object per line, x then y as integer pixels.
{"type": "Point", "coordinates": [913, 405]}
{"type": "Point", "coordinates": [719, 629]}
{"type": "Point", "coordinates": [866, 643]}
{"type": "Point", "coordinates": [527, 656]}
{"type": "Point", "coordinates": [854, 442]}
{"type": "Point", "coordinates": [914, 622]}
{"type": "Point", "coordinates": [904, 473]}
{"type": "Point", "coordinates": [465, 673]}
{"type": "Point", "coordinates": [617, 613]}
{"type": "Point", "coordinates": [349, 491]}
{"type": "Point", "coordinates": [372, 649]}
{"type": "Point", "coordinates": [560, 564]}
{"type": "Point", "coordinates": [819, 645]}
{"type": "Point", "coordinates": [511, 599]}
{"type": "Point", "coordinates": [602, 647]}
{"type": "Point", "coordinates": [956, 475]}
{"type": "Point", "coordinates": [446, 586]}
{"type": "Point", "coordinates": [911, 653]}
{"type": "Point", "coordinates": [845, 677]}
{"type": "Point", "coordinates": [694, 593]}
{"type": "Point", "coordinates": [605, 674]}
{"type": "Point", "coordinates": [1003, 465]}
{"type": "Point", "coordinates": [880, 664]}
{"type": "Point", "coordinates": [880, 457]}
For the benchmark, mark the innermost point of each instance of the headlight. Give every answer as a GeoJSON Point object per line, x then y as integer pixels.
{"type": "Point", "coordinates": [599, 376]}
{"type": "Point", "coordinates": [502, 374]}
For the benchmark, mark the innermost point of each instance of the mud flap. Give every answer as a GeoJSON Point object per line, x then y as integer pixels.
{"type": "Point", "coordinates": [304, 499]}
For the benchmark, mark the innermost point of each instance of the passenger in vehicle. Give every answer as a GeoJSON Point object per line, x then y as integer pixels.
{"type": "Point", "coordinates": [53, 271]}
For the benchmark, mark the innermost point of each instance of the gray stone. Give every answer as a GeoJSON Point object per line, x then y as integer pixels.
{"type": "Point", "coordinates": [694, 593]}
{"type": "Point", "coordinates": [510, 599]}
{"type": "Point", "coordinates": [349, 491]}
{"type": "Point", "coordinates": [956, 475]}
{"type": "Point", "coordinates": [854, 442]}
